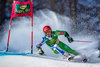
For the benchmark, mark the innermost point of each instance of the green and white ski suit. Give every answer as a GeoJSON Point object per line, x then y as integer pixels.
{"type": "Point", "coordinates": [60, 46]}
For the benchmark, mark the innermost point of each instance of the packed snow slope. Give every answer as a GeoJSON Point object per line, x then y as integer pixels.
{"type": "Point", "coordinates": [26, 61]}
{"type": "Point", "coordinates": [20, 41]}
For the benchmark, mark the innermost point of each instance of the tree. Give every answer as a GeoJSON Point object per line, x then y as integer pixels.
{"type": "Point", "coordinates": [2, 10]}
{"type": "Point", "coordinates": [73, 9]}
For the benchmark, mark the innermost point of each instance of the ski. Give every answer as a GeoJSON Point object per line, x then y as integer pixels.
{"type": "Point", "coordinates": [76, 59]}
{"type": "Point", "coordinates": [71, 59]}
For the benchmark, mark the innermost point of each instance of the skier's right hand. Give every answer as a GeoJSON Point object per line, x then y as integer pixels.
{"type": "Point", "coordinates": [70, 40]}
{"type": "Point", "coordinates": [41, 52]}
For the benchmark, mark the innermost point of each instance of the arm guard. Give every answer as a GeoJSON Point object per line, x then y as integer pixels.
{"type": "Point", "coordinates": [65, 34]}
{"type": "Point", "coordinates": [41, 42]}
{"type": "Point", "coordinates": [38, 46]}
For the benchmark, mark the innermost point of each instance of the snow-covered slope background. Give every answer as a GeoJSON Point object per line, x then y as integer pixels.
{"type": "Point", "coordinates": [20, 41]}
{"type": "Point", "coordinates": [24, 61]}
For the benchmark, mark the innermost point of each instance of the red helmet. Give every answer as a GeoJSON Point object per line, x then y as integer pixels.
{"type": "Point", "coordinates": [46, 28]}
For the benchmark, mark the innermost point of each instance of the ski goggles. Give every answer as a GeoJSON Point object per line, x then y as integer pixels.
{"type": "Point", "coordinates": [49, 31]}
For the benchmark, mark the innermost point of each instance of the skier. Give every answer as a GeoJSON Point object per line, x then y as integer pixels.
{"type": "Point", "coordinates": [51, 39]}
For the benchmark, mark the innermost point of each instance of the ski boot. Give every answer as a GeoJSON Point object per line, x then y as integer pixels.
{"type": "Point", "coordinates": [69, 57]}
{"type": "Point", "coordinates": [84, 60]}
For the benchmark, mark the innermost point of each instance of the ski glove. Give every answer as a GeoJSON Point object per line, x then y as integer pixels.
{"type": "Point", "coordinates": [41, 52]}
{"type": "Point", "coordinates": [70, 39]}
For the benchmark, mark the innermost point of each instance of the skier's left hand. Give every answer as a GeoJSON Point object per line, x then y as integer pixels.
{"type": "Point", "coordinates": [70, 40]}
{"type": "Point", "coordinates": [41, 52]}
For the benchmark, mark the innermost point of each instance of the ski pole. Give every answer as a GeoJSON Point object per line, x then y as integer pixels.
{"type": "Point", "coordinates": [82, 41]}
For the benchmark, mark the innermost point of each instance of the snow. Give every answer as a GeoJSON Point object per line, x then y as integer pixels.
{"type": "Point", "coordinates": [20, 41]}
{"type": "Point", "coordinates": [28, 61]}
